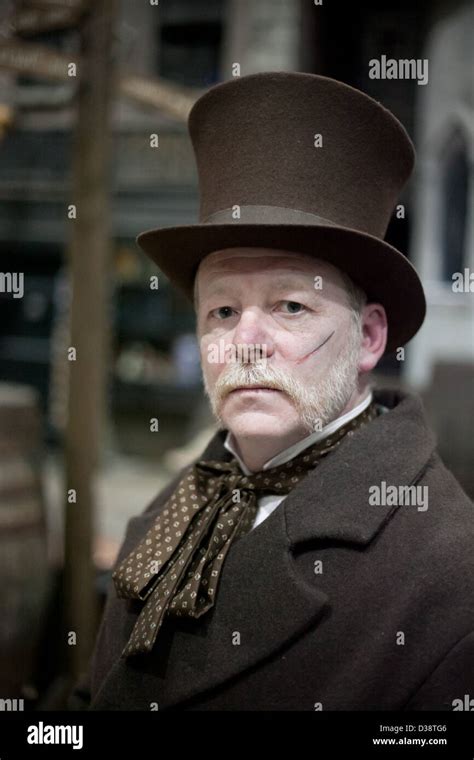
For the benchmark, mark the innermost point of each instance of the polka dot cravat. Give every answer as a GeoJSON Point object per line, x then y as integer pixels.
{"type": "Point", "coordinates": [175, 569]}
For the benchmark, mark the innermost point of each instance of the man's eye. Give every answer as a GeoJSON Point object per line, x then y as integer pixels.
{"type": "Point", "coordinates": [293, 307]}
{"type": "Point", "coordinates": [222, 312]}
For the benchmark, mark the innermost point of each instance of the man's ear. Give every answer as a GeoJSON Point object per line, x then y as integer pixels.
{"type": "Point", "coordinates": [374, 336]}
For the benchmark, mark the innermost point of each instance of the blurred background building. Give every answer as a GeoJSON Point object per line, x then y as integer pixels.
{"type": "Point", "coordinates": [154, 372]}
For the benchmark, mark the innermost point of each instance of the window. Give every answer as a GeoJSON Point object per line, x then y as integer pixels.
{"type": "Point", "coordinates": [454, 189]}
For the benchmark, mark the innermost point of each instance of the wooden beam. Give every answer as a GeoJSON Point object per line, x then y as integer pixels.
{"type": "Point", "coordinates": [90, 267]}
{"type": "Point", "coordinates": [37, 20]}
{"type": "Point", "coordinates": [6, 118]}
{"type": "Point", "coordinates": [39, 61]}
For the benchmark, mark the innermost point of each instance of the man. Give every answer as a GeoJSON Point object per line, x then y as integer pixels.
{"type": "Point", "coordinates": [317, 555]}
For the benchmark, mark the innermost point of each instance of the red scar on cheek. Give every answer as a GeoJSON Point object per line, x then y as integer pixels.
{"type": "Point", "coordinates": [298, 361]}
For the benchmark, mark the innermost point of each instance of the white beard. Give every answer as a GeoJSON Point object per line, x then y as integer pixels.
{"type": "Point", "coordinates": [316, 406]}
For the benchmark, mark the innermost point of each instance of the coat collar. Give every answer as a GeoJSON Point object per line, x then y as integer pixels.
{"type": "Point", "coordinates": [309, 440]}
{"type": "Point", "coordinates": [393, 448]}
{"type": "Point", "coordinates": [261, 602]}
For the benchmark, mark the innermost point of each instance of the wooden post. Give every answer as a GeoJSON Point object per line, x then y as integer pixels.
{"type": "Point", "coordinates": [90, 269]}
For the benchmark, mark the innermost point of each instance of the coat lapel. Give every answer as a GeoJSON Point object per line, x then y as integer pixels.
{"type": "Point", "coordinates": [260, 606]}
{"type": "Point", "coordinates": [333, 502]}
{"type": "Point", "coordinates": [262, 603]}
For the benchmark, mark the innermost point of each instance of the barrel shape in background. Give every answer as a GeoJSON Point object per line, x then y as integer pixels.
{"type": "Point", "coordinates": [24, 574]}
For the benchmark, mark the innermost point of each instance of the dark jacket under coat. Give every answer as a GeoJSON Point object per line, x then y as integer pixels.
{"type": "Point", "coordinates": [385, 622]}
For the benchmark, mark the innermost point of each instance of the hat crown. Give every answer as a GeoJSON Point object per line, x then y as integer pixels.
{"type": "Point", "coordinates": [288, 142]}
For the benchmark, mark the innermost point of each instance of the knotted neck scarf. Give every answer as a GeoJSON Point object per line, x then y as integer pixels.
{"type": "Point", "coordinates": [175, 569]}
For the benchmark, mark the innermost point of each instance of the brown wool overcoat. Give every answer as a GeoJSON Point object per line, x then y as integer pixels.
{"type": "Point", "coordinates": [331, 603]}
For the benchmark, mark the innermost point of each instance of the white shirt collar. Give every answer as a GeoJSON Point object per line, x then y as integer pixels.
{"type": "Point", "coordinates": [296, 448]}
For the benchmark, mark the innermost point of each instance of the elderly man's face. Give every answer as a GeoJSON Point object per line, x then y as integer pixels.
{"type": "Point", "coordinates": [294, 311]}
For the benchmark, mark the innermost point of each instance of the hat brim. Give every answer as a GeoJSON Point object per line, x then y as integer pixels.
{"type": "Point", "coordinates": [385, 274]}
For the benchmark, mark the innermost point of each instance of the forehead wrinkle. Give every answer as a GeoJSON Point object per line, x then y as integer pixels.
{"type": "Point", "coordinates": [215, 261]}
{"type": "Point", "coordinates": [295, 280]}
{"type": "Point", "coordinates": [220, 271]}
{"type": "Point", "coordinates": [254, 263]}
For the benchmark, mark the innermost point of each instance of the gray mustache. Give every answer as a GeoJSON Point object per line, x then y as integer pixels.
{"type": "Point", "coordinates": [249, 377]}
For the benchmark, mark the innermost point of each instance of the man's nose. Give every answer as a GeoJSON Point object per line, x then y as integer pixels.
{"type": "Point", "coordinates": [252, 330]}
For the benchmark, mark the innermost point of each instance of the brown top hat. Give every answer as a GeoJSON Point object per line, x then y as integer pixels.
{"type": "Point", "coordinates": [256, 153]}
